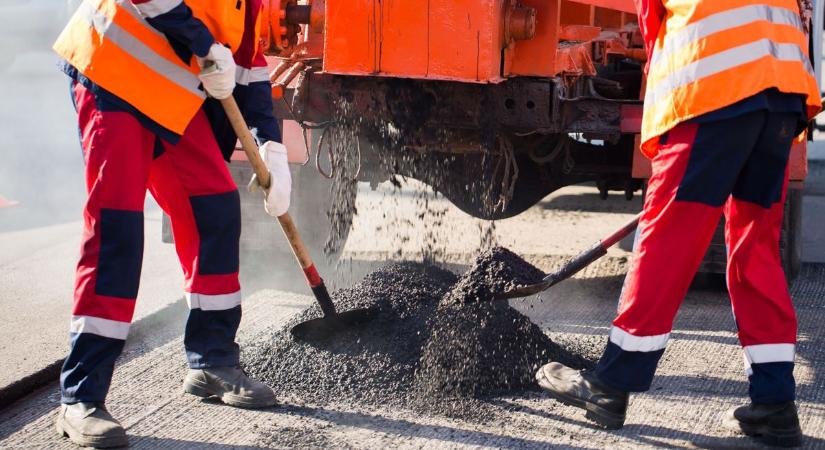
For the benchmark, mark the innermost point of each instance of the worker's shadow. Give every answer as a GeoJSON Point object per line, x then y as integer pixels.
{"type": "Point", "coordinates": [658, 436]}
{"type": "Point", "coordinates": [406, 428]}
{"type": "Point", "coordinates": [153, 442]}
{"type": "Point", "coordinates": [591, 202]}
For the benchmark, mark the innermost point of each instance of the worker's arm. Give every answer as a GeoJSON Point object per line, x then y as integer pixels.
{"type": "Point", "coordinates": [174, 19]}
{"type": "Point", "coordinates": [254, 91]}
{"type": "Point", "coordinates": [188, 36]}
{"type": "Point", "coordinates": [651, 16]}
{"type": "Point", "coordinates": [254, 94]}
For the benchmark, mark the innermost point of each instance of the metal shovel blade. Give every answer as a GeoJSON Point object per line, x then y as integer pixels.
{"type": "Point", "coordinates": [573, 267]}
{"type": "Point", "coordinates": [328, 326]}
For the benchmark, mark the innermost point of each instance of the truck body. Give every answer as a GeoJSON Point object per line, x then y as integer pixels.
{"type": "Point", "coordinates": [493, 103]}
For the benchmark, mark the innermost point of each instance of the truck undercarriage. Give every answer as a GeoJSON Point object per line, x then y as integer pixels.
{"type": "Point", "coordinates": [494, 150]}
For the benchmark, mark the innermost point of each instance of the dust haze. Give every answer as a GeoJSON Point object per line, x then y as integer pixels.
{"type": "Point", "coordinates": [41, 164]}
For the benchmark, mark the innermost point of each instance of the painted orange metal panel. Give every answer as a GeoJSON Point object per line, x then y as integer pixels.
{"type": "Point", "coordinates": [349, 37]}
{"type": "Point", "coordinates": [574, 59]}
{"type": "Point", "coordinates": [798, 163]}
{"type": "Point", "coordinates": [537, 56]}
{"type": "Point", "coordinates": [641, 164]}
{"type": "Point", "coordinates": [575, 13]}
{"type": "Point", "coordinates": [621, 5]}
{"type": "Point", "coordinates": [578, 32]}
{"type": "Point", "coordinates": [608, 18]}
{"type": "Point", "coordinates": [465, 39]}
{"type": "Point", "coordinates": [412, 39]}
{"type": "Point", "coordinates": [438, 39]}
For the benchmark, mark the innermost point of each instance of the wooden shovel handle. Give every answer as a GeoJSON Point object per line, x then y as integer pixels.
{"type": "Point", "coordinates": [250, 147]}
{"type": "Point", "coordinates": [287, 225]}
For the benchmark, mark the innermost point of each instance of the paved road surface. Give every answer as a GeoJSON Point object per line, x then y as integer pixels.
{"type": "Point", "coordinates": [701, 376]}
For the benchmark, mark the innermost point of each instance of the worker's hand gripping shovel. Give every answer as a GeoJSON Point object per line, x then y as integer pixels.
{"type": "Point", "coordinates": [332, 321]}
{"type": "Point", "coordinates": [578, 263]}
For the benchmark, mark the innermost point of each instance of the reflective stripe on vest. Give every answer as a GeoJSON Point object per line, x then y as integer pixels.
{"type": "Point", "coordinates": [725, 60]}
{"type": "Point", "coordinates": [722, 21]}
{"type": "Point", "coordinates": [702, 63]}
{"type": "Point", "coordinates": [110, 42]}
{"type": "Point", "coordinates": [154, 8]}
{"type": "Point", "coordinates": [176, 73]}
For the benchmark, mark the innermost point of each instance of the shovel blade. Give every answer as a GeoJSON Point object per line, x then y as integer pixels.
{"type": "Point", "coordinates": [328, 326]}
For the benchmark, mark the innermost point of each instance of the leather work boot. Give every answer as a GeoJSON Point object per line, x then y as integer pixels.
{"type": "Point", "coordinates": [230, 384]}
{"type": "Point", "coordinates": [776, 425]}
{"type": "Point", "coordinates": [604, 405]}
{"type": "Point", "coordinates": [90, 425]}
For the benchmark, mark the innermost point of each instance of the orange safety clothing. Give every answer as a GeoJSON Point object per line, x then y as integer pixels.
{"type": "Point", "coordinates": [111, 43]}
{"type": "Point", "coordinates": [710, 54]}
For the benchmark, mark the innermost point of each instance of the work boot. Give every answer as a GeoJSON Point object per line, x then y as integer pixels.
{"type": "Point", "coordinates": [90, 425]}
{"type": "Point", "coordinates": [231, 385]}
{"type": "Point", "coordinates": [776, 425]}
{"type": "Point", "coordinates": [604, 405]}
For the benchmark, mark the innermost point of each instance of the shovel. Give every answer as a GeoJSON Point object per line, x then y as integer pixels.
{"type": "Point", "coordinates": [332, 322]}
{"type": "Point", "coordinates": [578, 263]}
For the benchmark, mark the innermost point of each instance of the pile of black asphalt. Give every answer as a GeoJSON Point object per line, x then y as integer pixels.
{"type": "Point", "coordinates": [437, 341]}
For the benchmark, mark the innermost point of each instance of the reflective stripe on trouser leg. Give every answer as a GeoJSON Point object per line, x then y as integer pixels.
{"type": "Point", "coordinates": [204, 206]}
{"type": "Point", "coordinates": [693, 175]}
{"type": "Point", "coordinates": [762, 306]}
{"type": "Point", "coordinates": [117, 150]}
{"type": "Point", "coordinates": [770, 372]}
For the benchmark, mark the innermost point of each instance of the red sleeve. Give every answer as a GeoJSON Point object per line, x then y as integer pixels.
{"type": "Point", "coordinates": [651, 16]}
{"type": "Point", "coordinates": [250, 53]}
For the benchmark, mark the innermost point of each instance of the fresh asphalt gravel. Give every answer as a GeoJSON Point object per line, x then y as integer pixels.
{"type": "Point", "coordinates": [436, 344]}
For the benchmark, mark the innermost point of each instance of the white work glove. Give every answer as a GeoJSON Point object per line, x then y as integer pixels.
{"type": "Point", "coordinates": [276, 198]}
{"type": "Point", "coordinates": [218, 72]}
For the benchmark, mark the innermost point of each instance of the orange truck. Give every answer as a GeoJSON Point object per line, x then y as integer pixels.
{"type": "Point", "coordinates": [493, 103]}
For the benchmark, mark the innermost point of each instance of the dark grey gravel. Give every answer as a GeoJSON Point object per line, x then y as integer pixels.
{"type": "Point", "coordinates": [494, 271]}
{"type": "Point", "coordinates": [421, 351]}
{"type": "Point", "coordinates": [373, 364]}
{"type": "Point", "coordinates": [479, 350]}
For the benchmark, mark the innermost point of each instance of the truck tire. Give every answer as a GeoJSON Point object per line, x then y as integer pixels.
{"type": "Point", "coordinates": [790, 242]}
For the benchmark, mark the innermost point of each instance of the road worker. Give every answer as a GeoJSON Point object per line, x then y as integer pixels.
{"type": "Point", "coordinates": [729, 87]}
{"type": "Point", "coordinates": [141, 72]}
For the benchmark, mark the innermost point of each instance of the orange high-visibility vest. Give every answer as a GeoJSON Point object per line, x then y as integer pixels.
{"type": "Point", "coordinates": [712, 53]}
{"type": "Point", "coordinates": [111, 43]}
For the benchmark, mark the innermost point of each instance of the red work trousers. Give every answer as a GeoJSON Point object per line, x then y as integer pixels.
{"type": "Point", "coordinates": [736, 167]}
{"type": "Point", "coordinates": [192, 184]}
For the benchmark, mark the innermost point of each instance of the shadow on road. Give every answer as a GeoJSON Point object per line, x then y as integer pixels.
{"type": "Point", "coordinates": [590, 202]}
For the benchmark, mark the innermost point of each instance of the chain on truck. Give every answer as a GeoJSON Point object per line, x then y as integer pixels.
{"type": "Point", "coordinates": [492, 103]}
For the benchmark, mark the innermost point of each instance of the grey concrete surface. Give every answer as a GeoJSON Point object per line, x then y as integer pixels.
{"type": "Point", "coordinates": [813, 206]}
{"type": "Point", "coordinates": [390, 225]}
{"type": "Point", "coordinates": [701, 376]}
{"type": "Point", "coordinates": [37, 276]}
{"type": "Point", "coordinates": [816, 150]}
